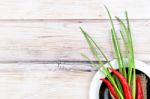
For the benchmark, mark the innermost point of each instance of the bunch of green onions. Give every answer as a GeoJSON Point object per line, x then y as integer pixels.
{"type": "Point", "coordinates": [129, 74]}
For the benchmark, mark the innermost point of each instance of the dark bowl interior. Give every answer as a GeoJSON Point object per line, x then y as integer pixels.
{"type": "Point", "coordinates": [103, 87]}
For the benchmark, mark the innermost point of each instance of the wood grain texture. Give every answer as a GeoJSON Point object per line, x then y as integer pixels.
{"type": "Point", "coordinates": [43, 81]}
{"type": "Point", "coordinates": [72, 9]}
{"type": "Point", "coordinates": [27, 41]}
{"type": "Point", "coordinates": [40, 44]}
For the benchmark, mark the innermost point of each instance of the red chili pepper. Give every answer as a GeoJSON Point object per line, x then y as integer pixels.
{"type": "Point", "coordinates": [124, 83]}
{"type": "Point", "coordinates": [139, 90]}
{"type": "Point", "coordinates": [110, 87]}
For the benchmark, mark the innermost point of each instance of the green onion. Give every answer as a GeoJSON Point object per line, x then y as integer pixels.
{"type": "Point", "coordinates": [106, 71]}
{"type": "Point", "coordinates": [132, 59]}
{"type": "Point", "coordinates": [117, 47]}
{"type": "Point", "coordinates": [128, 44]}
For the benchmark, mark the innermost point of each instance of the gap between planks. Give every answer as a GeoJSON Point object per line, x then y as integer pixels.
{"type": "Point", "coordinates": [83, 66]}
{"type": "Point", "coordinates": [34, 67]}
{"type": "Point", "coordinates": [49, 62]}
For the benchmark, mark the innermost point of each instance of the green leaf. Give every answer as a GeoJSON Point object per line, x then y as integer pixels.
{"type": "Point", "coordinates": [125, 44]}
{"type": "Point", "coordinates": [95, 54]}
{"type": "Point", "coordinates": [117, 47]}
{"type": "Point", "coordinates": [93, 64]}
{"type": "Point", "coordinates": [118, 83]}
{"type": "Point", "coordinates": [132, 59]}
{"type": "Point", "coordinates": [130, 66]}
{"type": "Point", "coordinates": [99, 49]}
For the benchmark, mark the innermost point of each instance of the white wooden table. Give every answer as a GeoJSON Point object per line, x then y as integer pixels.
{"type": "Point", "coordinates": [40, 44]}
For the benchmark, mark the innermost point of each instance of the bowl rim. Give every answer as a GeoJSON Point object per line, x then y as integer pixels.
{"type": "Point", "coordinates": [96, 83]}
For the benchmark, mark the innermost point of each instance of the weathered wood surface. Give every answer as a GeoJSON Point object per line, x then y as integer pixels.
{"type": "Point", "coordinates": [40, 44]}
{"type": "Point", "coordinates": [72, 9]}
{"type": "Point", "coordinates": [60, 40]}
{"type": "Point", "coordinates": [43, 81]}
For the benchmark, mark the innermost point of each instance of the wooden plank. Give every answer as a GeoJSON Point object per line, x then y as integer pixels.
{"type": "Point", "coordinates": [42, 81]}
{"type": "Point", "coordinates": [72, 9]}
{"type": "Point", "coordinates": [27, 41]}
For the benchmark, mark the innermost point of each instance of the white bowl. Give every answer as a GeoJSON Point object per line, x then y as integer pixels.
{"type": "Point", "coordinates": [96, 83]}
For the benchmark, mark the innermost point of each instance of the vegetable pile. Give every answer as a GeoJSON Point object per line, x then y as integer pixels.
{"type": "Point", "coordinates": [122, 83]}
